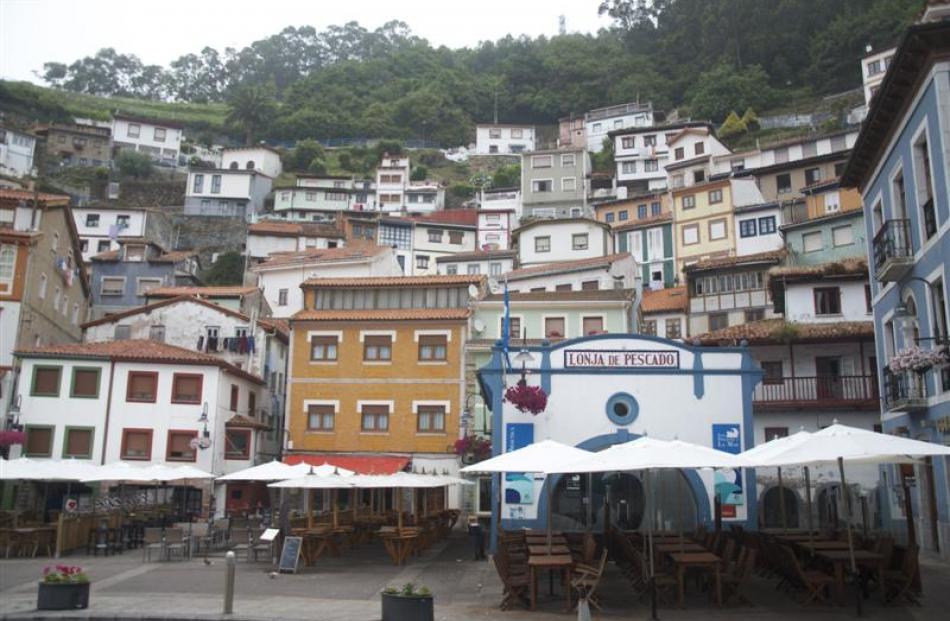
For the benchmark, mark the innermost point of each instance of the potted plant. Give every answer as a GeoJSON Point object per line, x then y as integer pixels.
{"type": "Point", "coordinates": [916, 359]}
{"type": "Point", "coordinates": [407, 603]}
{"type": "Point", "coordinates": [473, 449]}
{"type": "Point", "coordinates": [63, 587]}
{"type": "Point", "coordinates": [527, 398]}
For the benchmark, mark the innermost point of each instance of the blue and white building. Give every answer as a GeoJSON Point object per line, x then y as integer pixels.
{"type": "Point", "coordinates": [900, 164]}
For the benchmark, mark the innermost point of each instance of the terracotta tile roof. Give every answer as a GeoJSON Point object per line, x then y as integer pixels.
{"type": "Point", "coordinates": [280, 326]}
{"type": "Point", "coordinates": [294, 229]}
{"type": "Point", "coordinates": [133, 350]}
{"type": "Point", "coordinates": [394, 314]}
{"type": "Point", "coordinates": [464, 217]}
{"type": "Point", "coordinates": [646, 222]}
{"type": "Point", "coordinates": [673, 299]}
{"type": "Point", "coordinates": [590, 295]}
{"type": "Point", "coordinates": [566, 266]}
{"type": "Point", "coordinates": [245, 422]}
{"type": "Point", "coordinates": [204, 292]}
{"type": "Point", "coordinates": [478, 255]}
{"type": "Point", "coordinates": [770, 331]}
{"type": "Point", "coordinates": [539, 221]}
{"type": "Point", "coordinates": [855, 266]}
{"type": "Point", "coordinates": [772, 256]}
{"type": "Point", "coordinates": [395, 281]}
{"type": "Point", "coordinates": [147, 308]}
{"type": "Point", "coordinates": [318, 255]}
{"type": "Point", "coordinates": [26, 195]}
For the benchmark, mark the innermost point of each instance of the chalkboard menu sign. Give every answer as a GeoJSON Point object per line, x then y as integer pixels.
{"type": "Point", "coordinates": [290, 555]}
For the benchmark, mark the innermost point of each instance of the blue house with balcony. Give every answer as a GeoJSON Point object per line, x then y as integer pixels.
{"type": "Point", "coordinates": [901, 163]}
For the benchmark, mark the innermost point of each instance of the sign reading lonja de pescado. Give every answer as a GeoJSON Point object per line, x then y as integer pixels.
{"type": "Point", "coordinates": [621, 359]}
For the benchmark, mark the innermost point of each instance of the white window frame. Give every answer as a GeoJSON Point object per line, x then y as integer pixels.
{"type": "Point", "coordinates": [138, 284]}
{"type": "Point", "coordinates": [306, 412]}
{"type": "Point", "coordinates": [111, 278]}
{"type": "Point", "coordinates": [534, 183]}
{"type": "Point", "coordinates": [537, 161]}
{"type": "Point", "coordinates": [564, 184]}
{"type": "Point", "coordinates": [568, 160]}
{"type": "Point", "coordinates": [843, 227]}
{"type": "Point", "coordinates": [448, 410]}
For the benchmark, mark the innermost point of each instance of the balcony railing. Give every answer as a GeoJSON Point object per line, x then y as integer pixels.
{"type": "Point", "coordinates": [849, 391]}
{"type": "Point", "coordinates": [905, 391]}
{"type": "Point", "coordinates": [893, 250]}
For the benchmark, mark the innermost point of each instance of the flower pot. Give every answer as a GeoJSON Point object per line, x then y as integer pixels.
{"type": "Point", "coordinates": [62, 595]}
{"type": "Point", "coordinates": [401, 608]}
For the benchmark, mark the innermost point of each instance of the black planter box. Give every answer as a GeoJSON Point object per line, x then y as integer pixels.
{"type": "Point", "coordinates": [415, 608]}
{"type": "Point", "coordinates": [62, 596]}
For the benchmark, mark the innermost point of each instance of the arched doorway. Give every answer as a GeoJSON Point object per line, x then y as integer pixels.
{"type": "Point", "coordinates": [827, 501]}
{"type": "Point", "coordinates": [772, 508]}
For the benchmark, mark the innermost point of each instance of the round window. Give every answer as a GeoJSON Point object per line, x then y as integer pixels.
{"type": "Point", "coordinates": [622, 408]}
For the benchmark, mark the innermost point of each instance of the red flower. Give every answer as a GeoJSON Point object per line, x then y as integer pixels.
{"type": "Point", "coordinates": [527, 398]}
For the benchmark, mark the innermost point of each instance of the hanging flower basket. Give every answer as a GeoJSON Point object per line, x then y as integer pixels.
{"type": "Point", "coordinates": [527, 398]}
{"type": "Point", "coordinates": [473, 449]}
{"type": "Point", "coordinates": [10, 438]}
{"type": "Point", "coordinates": [916, 359]}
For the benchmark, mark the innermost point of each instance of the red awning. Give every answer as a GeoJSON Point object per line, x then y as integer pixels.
{"type": "Point", "coordinates": [360, 464]}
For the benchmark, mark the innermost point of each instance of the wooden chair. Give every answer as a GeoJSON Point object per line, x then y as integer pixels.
{"type": "Point", "coordinates": [585, 578]}
{"type": "Point", "coordinates": [516, 583]}
{"type": "Point", "coordinates": [175, 543]}
{"type": "Point", "coordinates": [239, 541]}
{"type": "Point", "coordinates": [733, 581]}
{"type": "Point", "coordinates": [153, 539]}
{"type": "Point", "coordinates": [817, 584]}
{"type": "Point", "coordinates": [258, 547]}
{"type": "Point", "coordinates": [899, 583]}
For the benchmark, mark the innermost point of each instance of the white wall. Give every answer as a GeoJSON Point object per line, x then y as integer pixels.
{"type": "Point", "coordinates": [264, 160]}
{"type": "Point", "coordinates": [660, 319]}
{"type": "Point", "coordinates": [9, 325]}
{"type": "Point", "coordinates": [259, 246]}
{"type": "Point", "coordinates": [596, 130]}
{"type": "Point", "coordinates": [494, 229]}
{"type": "Point", "coordinates": [170, 147]}
{"type": "Point", "coordinates": [107, 217]}
{"type": "Point", "coordinates": [233, 184]}
{"type": "Point", "coordinates": [639, 152]}
{"type": "Point", "coordinates": [484, 266]}
{"type": "Point", "coordinates": [758, 242]}
{"type": "Point", "coordinates": [506, 142]}
{"type": "Point", "coordinates": [800, 302]}
{"type": "Point", "coordinates": [16, 154]}
{"type": "Point", "coordinates": [599, 242]}
{"type": "Point", "coordinates": [623, 270]}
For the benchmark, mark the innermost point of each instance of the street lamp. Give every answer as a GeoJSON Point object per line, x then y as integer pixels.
{"type": "Point", "coordinates": [524, 356]}
{"type": "Point", "coordinates": [904, 316]}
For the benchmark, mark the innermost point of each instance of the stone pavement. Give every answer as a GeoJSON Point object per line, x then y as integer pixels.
{"type": "Point", "coordinates": [347, 589]}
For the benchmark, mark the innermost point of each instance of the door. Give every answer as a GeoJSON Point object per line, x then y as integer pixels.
{"type": "Point", "coordinates": [828, 370]}
{"type": "Point", "coordinates": [930, 493]}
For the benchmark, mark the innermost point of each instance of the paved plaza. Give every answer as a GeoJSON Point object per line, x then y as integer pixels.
{"type": "Point", "coordinates": [347, 589]}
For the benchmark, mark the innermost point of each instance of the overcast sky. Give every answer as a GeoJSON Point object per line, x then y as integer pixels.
{"type": "Point", "coordinates": [36, 31]}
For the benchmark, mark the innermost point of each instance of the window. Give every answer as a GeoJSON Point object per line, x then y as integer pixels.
{"type": "Point", "coordinates": [237, 444]}
{"type": "Point", "coordinates": [651, 166]}
{"type": "Point", "coordinates": [456, 237]}
{"type": "Point", "coordinates": [452, 269]}
{"type": "Point", "coordinates": [699, 148]}
{"type": "Point", "coordinates": [628, 168]}
{"type": "Point", "coordinates": [494, 269]}
{"type": "Point", "coordinates": [699, 176]}
{"type": "Point", "coordinates": [579, 241]}
{"type": "Point", "coordinates": [628, 142]}
{"type": "Point", "coordinates": [590, 285]}
{"type": "Point", "coordinates": [715, 196]}
{"type": "Point", "coordinates": [812, 175]}
{"type": "Point", "coordinates": [689, 202]}
{"type": "Point", "coordinates": [592, 325]}
{"type": "Point", "coordinates": [215, 184]}
{"type": "Point", "coordinates": [717, 229]}
{"type": "Point", "coordinates": [494, 133]}
{"type": "Point", "coordinates": [85, 383]}
{"type": "Point", "coordinates": [563, 287]}
{"type": "Point", "coordinates": [641, 212]}
{"type": "Point", "coordinates": [772, 372]}
{"type": "Point", "coordinates": [827, 301]}
{"type": "Point", "coordinates": [755, 314]}
{"type": "Point", "coordinates": [134, 130]}
{"type": "Point", "coordinates": [422, 262]}
{"type": "Point", "coordinates": [679, 153]}
{"type": "Point", "coordinates": [514, 327]}
{"type": "Point", "coordinates": [374, 418]}
{"type": "Point", "coordinates": [718, 321]}
{"type": "Point", "coordinates": [142, 387]}
{"type": "Point", "coordinates": [542, 161]}
{"type": "Point", "coordinates": [925, 190]}
{"type": "Point", "coordinates": [103, 246]}
{"type": "Point", "coordinates": [737, 165]}
{"type": "Point", "coordinates": [624, 215]}
{"type": "Point", "coordinates": [867, 300]}
{"type": "Point", "coordinates": [186, 388]}
{"type": "Point", "coordinates": [674, 328]}
{"type": "Point", "coordinates": [92, 220]}
{"type": "Point", "coordinates": [159, 134]}
{"type": "Point", "coordinates": [811, 242]}
{"type": "Point", "coordinates": [767, 225]}
{"type": "Point", "coordinates": [198, 184]}
{"type": "Point", "coordinates": [57, 295]}
{"type": "Point", "coordinates": [432, 347]}
{"type": "Point", "coordinates": [320, 417]}
{"type": "Point", "coordinates": [568, 184]}
{"type": "Point", "coordinates": [473, 269]}
{"type": "Point", "coordinates": [234, 398]}
{"type": "Point", "coordinates": [842, 235]}
{"type": "Point", "coordinates": [430, 418]}
{"type": "Point", "coordinates": [112, 285]}
{"type": "Point", "coordinates": [123, 332]}
{"type": "Point", "coordinates": [567, 159]}
{"type": "Point", "coordinates": [783, 183]}
{"type": "Point", "coordinates": [435, 235]}
{"type": "Point", "coordinates": [377, 348]}
{"type": "Point", "coordinates": [649, 327]}
{"type": "Point", "coordinates": [542, 244]}
{"type": "Point", "coordinates": [136, 444]}
{"type": "Point", "coordinates": [323, 348]}
{"type": "Point", "coordinates": [609, 217]}
{"type": "Point", "coordinates": [541, 185]}
{"type": "Point", "coordinates": [144, 284]}
{"type": "Point", "coordinates": [46, 381]}
{"type": "Point", "coordinates": [747, 228]}
{"type": "Point", "coordinates": [597, 127]}
{"type": "Point", "coordinates": [649, 141]}
{"type": "Point", "coordinates": [554, 327]}
{"type": "Point", "coordinates": [39, 441]}
{"type": "Point", "coordinates": [517, 132]}
{"type": "Point", "coordinates": [771, 433]}
{"type": "Point", "coordinates": [179, 447]}
{"type": "Point", "coordinates": [336, 196]}
{"type": "Point", "coordinates": [690, 234]}
{"type": "Point", "coordinates": [78, 442]}
{"type": "Point", "coordinates": [282, 297]}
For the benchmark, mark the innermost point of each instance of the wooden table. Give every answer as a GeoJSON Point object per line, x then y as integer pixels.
{"type": "Point", "coordinates": [822, 546]}
{"type": "Point", "coordinates": [542, 550]}
{"type": "Point", "coordinates": [400, 545]}
{"type": "Point", "coordinates": [706, 560]}
{"type": "Point", "coordinates": [798, 538]}
{"type": "Point", "coordinates": [532, 540]}
{"type": "Point", "coordinates": [862, 558]}
{"type": "Point", "coordinates": [555, 562]}
{"type": "Point", "coordinates": [669, 548]}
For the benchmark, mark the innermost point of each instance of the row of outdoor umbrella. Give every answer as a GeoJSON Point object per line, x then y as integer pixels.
{"type": "Point", "coordinates": [74, 470]}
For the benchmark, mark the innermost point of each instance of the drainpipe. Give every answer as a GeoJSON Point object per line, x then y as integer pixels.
{"type": "Point", "coordinates": [105, 432]}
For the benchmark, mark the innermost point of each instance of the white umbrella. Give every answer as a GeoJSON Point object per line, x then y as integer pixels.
{"type": "Point", "coordinates": [774, 447]}
{"type": "Point", "coordinates": [312, 480]}
{"type": "Point", "coordinates": [840, 443]}
{"type": "Point", "coordinates": [271, 471]}
{"type": "Point", "coordinates": [167, 473]}
{"type": "Point", "coordinates": [26, 469]}
{"type": "Point", "coordinates": [123, 471]}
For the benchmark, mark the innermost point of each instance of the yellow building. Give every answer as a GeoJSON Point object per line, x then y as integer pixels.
{"type": "Point", "coordinates": [703, 217]}
{"type": "Point", "coordinates": [827, 197]}
{"type": "Point", "coordinates": [377, 366]}
{"type": "Point", "coordinates": [626, 211]}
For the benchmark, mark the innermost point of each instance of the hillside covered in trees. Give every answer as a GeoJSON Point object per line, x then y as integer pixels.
{"type": "Point", "coordinates": [705, 57]}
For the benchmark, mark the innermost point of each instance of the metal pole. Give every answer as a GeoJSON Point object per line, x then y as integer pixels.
{"type": "Point", "coordinates": [781, 500]}
{"type": "Point", "coordinates": [652, 504]}
{"type": "Point", "coordinates": [549, 483]}
{"type": "Point", "coordinates": [808, 502]}
{"type": "Point", "coordinates": [230, 564]}
{"type": "Point", "coordinates": [847, 508]}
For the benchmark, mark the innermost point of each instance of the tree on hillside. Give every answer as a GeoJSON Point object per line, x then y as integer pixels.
{"type": "Point", "coordinates": [227, 270]}
{"type": "Point", "coordinates": [725, 88]}
{"type": "Point", "coordinates": [251, 109]}
{"type": "Point", "coordinates": [133, 164]}
{"type": "Point", "coordinates": [302, 155]}
{"type": "Point", "coordinates": [507, 177]}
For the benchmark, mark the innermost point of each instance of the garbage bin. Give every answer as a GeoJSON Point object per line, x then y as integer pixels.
{"type": "Point", "coordinates": [477, 536]}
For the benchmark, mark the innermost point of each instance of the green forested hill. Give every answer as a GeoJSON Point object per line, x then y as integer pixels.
{"type": "Point", "coordinates": [706, 57]}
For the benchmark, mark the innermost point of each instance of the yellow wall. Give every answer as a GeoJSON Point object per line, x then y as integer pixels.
{"type": "Point", "coordinates": [702, 214]}
{"type": "Point", "coordinates": [848, 199]}
{"type": "Point", "coordinates": [350, 380]}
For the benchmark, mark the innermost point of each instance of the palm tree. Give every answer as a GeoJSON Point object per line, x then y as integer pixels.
{"type": "Point", "coordinates": [250, 108]}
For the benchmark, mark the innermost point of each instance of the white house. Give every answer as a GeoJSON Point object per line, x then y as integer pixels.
{"type": "Point", "coordinates": [281, 274]}
{"type": "Point", "coordinates": [269, 236]}
{"type": "Point", "coordinates": [664, 313]}
{"type": "Point", "coordinates": [598, 123]}
{"type": "Point", "coordinates": [101, 228]}
{"type": "Point", "coordinates": [229, 192]}
{"type": "Point", "coordinates": [805, 148]}
{"type": "Point", "coordinates": [316, 197]}
{"type": "Point", "coordinates": [392, 179]}
{"type": "Point", "coordinates": [442, 234]}
{"type": "Point", "coordinates": [614, 271]}
{"type": "Point", "coordinates": [16, 152]}
{"type": "Point", "coordinates": [494, 229]}
{"type": "Point", "coordinates": [503, 139]}
{"type": "Point", "coordinates": [262, 159]}
{"type": "Point", "coordinates": [139, 401]}
{"type": "Point", "coordinates": [424, 197]}
{"type": "Point", "coordinates": [495, 263]}
{"type": "Point", "coordinates": [642, 153]}
{"type": "Point", "coordinates": [691, 150]}
{"type": "Point", "coordinates": [757, 228]}
{"type": "Point", "coordinates": [562, 239]}
{"type": "Point", "coordinates": [873, 68]}
{"type": "Point", "coordinates": [159, 139]}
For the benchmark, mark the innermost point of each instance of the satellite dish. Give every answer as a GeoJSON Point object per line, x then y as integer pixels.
{"type": "Point", "coordinates": [479, 325]}
{"type": "Point", "coordinates": [473, 291]}
{"type": "Point", "coordinates": [494, 287]}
